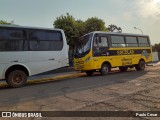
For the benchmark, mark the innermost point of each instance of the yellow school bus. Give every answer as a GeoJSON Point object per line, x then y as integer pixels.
{"type": "Point", "coordinates": [101, 51]}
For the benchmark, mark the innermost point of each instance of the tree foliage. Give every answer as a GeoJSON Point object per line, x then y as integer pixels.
{"type": "Point", "coordinates": [4, 22]}
{"type": "Point", "coordinates": [156, 47]}
{"type": "Point", "coordinates": [94, 24]}
{"type": "Point", "coordinates": [68, 24]}
{"type": "Point", "coordinates": [113, 28]}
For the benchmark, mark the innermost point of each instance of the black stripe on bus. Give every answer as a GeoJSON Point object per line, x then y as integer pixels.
{"type": "Point", "coordinates": [127, 52]}
{"type": "Point", "coordinates": [123, 52]}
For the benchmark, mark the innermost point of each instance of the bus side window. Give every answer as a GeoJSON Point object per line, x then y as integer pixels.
{"type": "Point", "coordinates": [103, 42]}
{"type": "Point", "coordinates": [12, 40]}
{"type": "Point", "coordinates": [143, 41]}
{"type": "Point", "coordinates": [100, 46]}
{"type": "Point", "coordinates": [41, 40]}
{"type": "Point", "coordinates": [131, 41]}
{"type": "Point", "coordinates": [35, 37]}
{"type": "Point", "coordinates": [117, 41]}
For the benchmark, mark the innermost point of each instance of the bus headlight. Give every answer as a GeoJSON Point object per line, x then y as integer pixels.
{"type": "Point", "coordinates": [87, 59]}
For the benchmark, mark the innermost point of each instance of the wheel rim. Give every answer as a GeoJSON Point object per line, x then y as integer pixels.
{"type": "Point", "coordinates": [105, 69]}
{"type": "Point", "coordinates": [17, 79]}
{"type": "Point", "coordinates": [142, 65]}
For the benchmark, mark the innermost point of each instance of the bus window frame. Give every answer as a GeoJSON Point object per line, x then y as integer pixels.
{"type": "Point", "coordinates": [117, 43]}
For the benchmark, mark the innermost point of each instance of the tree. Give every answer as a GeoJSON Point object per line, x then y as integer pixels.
{"type": "Point", "coordinates": [80, 27]}
{"type": "Point", "coordinates": [67, 23]}
{"type": "Point", "coordinates": [112, 28]}
{"type": "Point", "coordinates": [156, 47]}
{"type": "Point", "coordinates": [4, 22]}
{"type": "Point", "coordinates": [94, 24]}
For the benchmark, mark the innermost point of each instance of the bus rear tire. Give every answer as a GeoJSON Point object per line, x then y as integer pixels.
{"type": "Point", "coordinates": [123, 68]}
{"type": "Point", "coordinates": [105, 69]}
{"type": "Point", "coordinates": [89, 73]}
{"type": "Point", "coordinates": [16, 78]}
{"type": "Point", "coordinates": [140, 66]}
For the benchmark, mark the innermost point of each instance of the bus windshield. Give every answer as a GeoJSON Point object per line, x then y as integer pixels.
{"type": "Point", "coordinates": [84, 46]}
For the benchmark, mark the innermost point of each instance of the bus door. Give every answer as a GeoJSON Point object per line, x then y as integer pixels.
{"type": "Point", "coordinates": [100, 48]}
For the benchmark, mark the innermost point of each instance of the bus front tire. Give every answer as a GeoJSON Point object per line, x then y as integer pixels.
{"type": "Point", "coordinates": [123, 68]}
{"type": "Point", "coordinates": [105, 68]}
{"type": "Point", "coordinates": [16, 78]}
{"type": "Point", "coordinates": [89, 73]}
{"type": "Point", "coordinates": [140, 66]}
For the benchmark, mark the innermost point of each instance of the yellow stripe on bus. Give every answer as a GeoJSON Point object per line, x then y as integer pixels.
{"type": "Point", "coordinates": [43, 80]}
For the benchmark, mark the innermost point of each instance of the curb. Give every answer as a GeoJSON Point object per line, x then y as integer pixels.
{"type": "Point", "coordinates": [157, 64]}
{"type": "Point", "coordinates": [154, 64]}
{"type": "Point", "coordinates": [49, 79]}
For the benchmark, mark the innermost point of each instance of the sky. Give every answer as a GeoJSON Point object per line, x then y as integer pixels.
{"type": "Point", "coordinates": [127, 14]}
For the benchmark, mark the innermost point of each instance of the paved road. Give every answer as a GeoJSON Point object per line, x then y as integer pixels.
{"type": "Point", "coordinates": [132, 90]}
{"type": "Point", "coordinates": [61, 87]}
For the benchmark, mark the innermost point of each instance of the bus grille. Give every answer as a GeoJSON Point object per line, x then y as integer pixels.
{"type": "Point", "coordinates": [79, 65]}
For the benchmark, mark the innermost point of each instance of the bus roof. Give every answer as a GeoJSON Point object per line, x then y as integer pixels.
{"type": "Point", "coordinates": [115, 33]}
{"type": "Point", "coordinates": [26, 27]}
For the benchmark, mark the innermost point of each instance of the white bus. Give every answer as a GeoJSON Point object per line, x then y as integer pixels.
{"type": "Point", "coordinates": [26, 51]}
